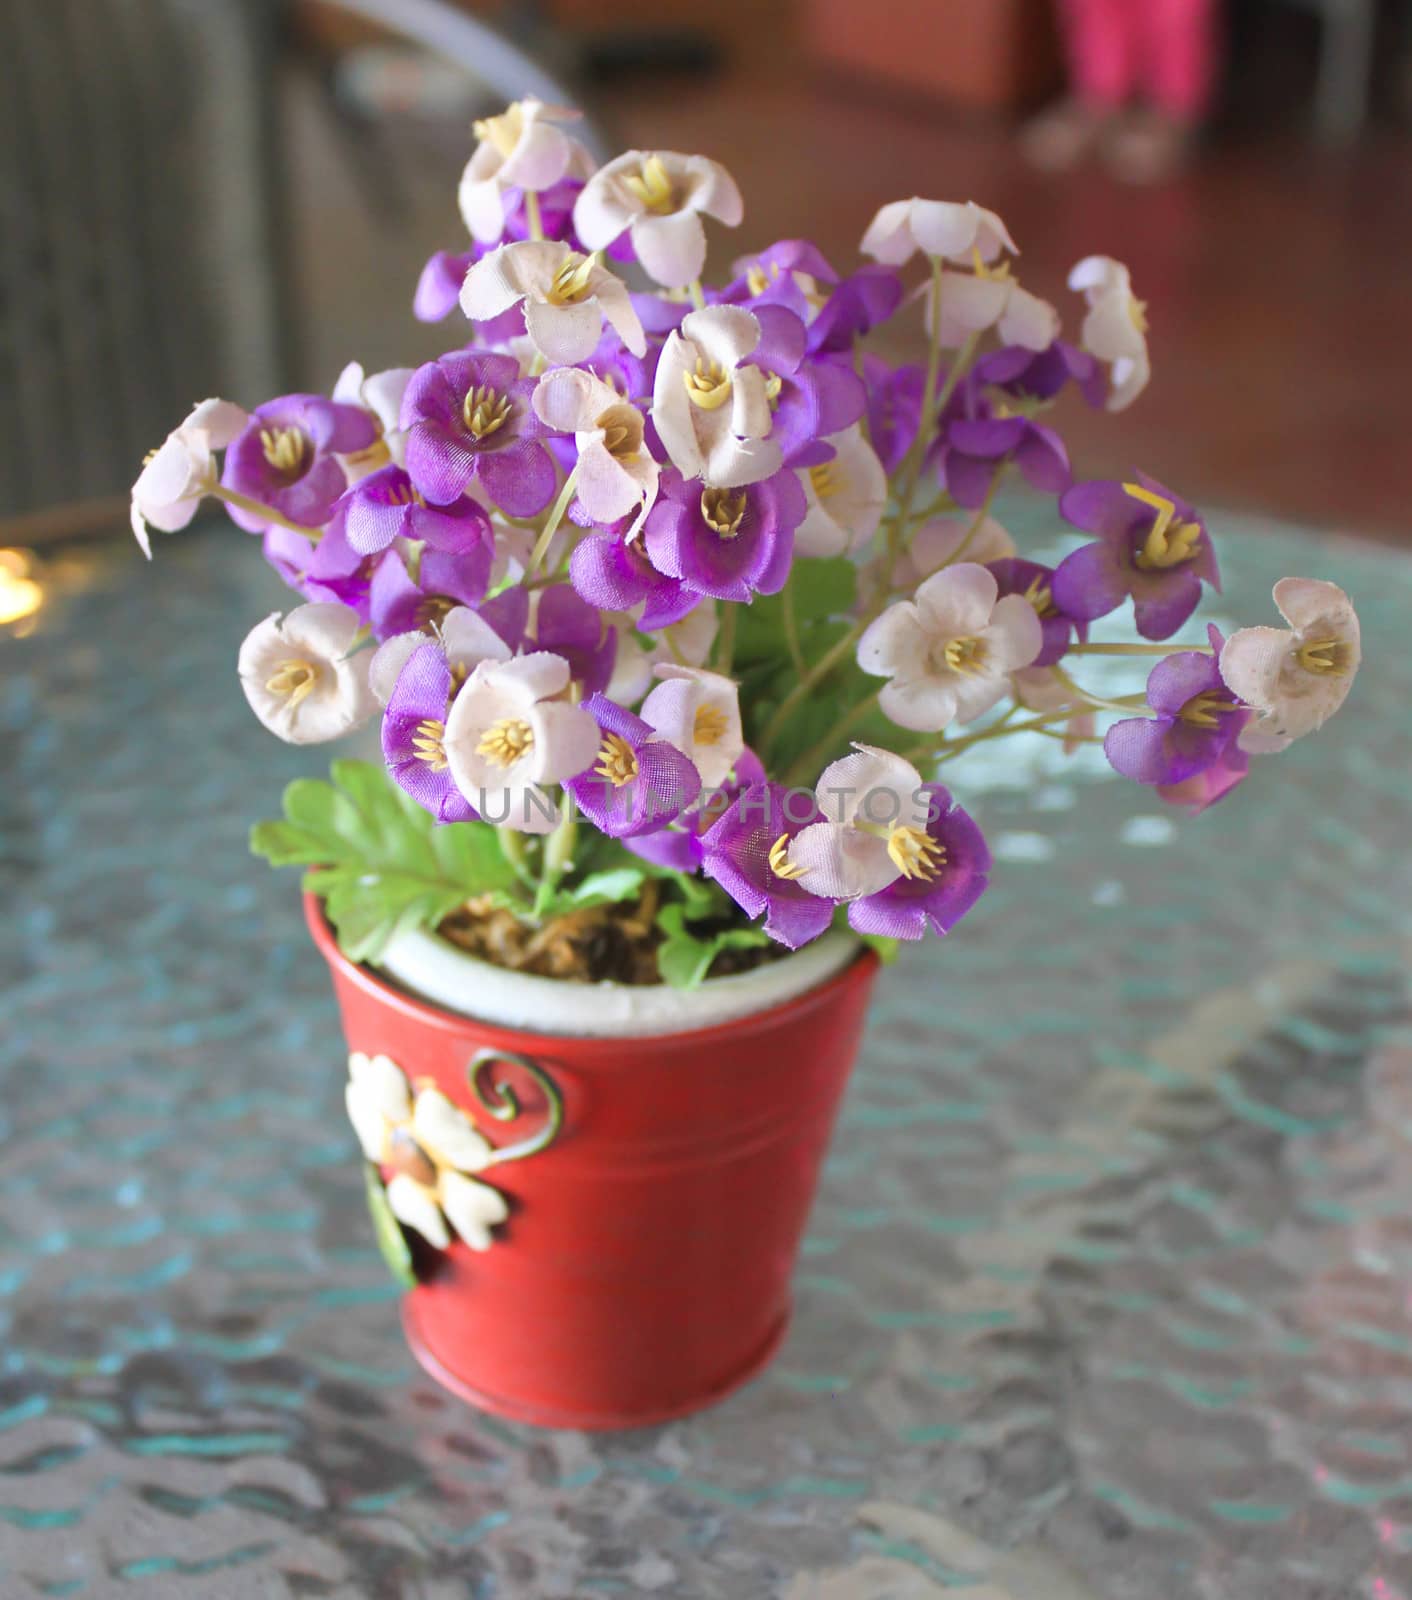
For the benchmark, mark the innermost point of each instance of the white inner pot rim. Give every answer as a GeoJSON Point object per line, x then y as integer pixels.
{"type": "Point", "coordinates": [435, 970]}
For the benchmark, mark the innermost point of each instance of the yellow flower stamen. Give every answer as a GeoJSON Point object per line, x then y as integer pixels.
{"type": "Point", "coordinates": [570, 283]}
{"type": "Point", "coordinates": [997, 270]}
{"type": "Point", "coordinates": [285, 448]}
{"type": "Point", "coordinates": [708, 384]}
{"type": "Point", "coordinates": [915, 853]}
{"type": "Point", "coordinates": [651, 185]}
{"type": "Point", "coordinates": [294, 680]}
{"type": "Point", "coordinates": [965, 656]}
{"type": "Point", "coordinates": [774, 384]}
{"type": "Point", "coordinates": [505, 741]}
{"type": "Point", "coordinates": [617, 760]}
{"type": "Point", "coordinates": [723, 511]}
{"type": "Point", "coordinates": [756, 279]}
{"type": "Point", "coordinates": [1137, 314]}
{"type": "Point", "coordinates": [780, 864]}
{"type": "Point", "coordinates": [622, 431]}
{"type": "Point", "coordinates": [433, 610]}
{"type": "Point", "coordinates": [709, 725]}
{"type": "Point", "coordinates": [484, 411]}
{"type": "Point", "coordinates": [403, 494]}
{"type": "Point", "coordinates": [1170, 542]}
{"type": "Point", "coordinates": [428, 744]}
{"type": "Point", "coordinates": [1204, 710]}
{"type": "Point", "coordinates": [503, 131]}
{"type": "Point", "coordinates": [1040, 597]}
{"type": "Point", "coordinates": [1325, 657]}
{"type": "Point", "coordinates": [825, 480]}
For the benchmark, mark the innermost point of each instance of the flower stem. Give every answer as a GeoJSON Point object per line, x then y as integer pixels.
{"type": "Point", "coordinates": [820, 670]}
{"type": "Point", "coordinates": [698, 295]}
{"type": "Point", "coordinates": [1127, 704]}
{"type": "Point", "coordinates": [243, 502]}
{"type": "Point", "coordinates": [551, 527]}
{"type": "Point", "coordinates": [513, 847]}
{"type": "Point", "coordinates": [980, 517]}
{"type": "Point", "coordinates": [558, 856]}
{"type": "Point", "coordinates": [536, 222]}
{"type": "Point", "coordinates": [950, 748]}
{"type": "Point", "coordinates": [791, 629]}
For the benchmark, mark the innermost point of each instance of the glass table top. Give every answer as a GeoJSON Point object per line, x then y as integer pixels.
{"type": "Point", "coordinates": [1106, 1293]}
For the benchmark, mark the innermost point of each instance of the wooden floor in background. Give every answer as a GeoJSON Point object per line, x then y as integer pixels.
{"type": "Point", "coordinates": [1279, 280]}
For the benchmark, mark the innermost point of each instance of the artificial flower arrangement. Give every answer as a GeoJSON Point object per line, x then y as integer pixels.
{"type": "Point", "coordinates": [645, 563]}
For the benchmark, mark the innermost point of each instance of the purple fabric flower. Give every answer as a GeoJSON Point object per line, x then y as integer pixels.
{"type": "Point", "coordinates": [385, 506]}
{"type": "Point", "coordinates": [679, 845]}
{"type": "Point", "coordinates": [742, 850]}
{"type": "Point", "coordinates": [399, 603]}
{"type": "Point", "coordinates": [438, 291]}
{"type": "Point", "coordinates": [639, 782]}
{"type": "Point", "coordinates": [857, 304]}
{"type": "Point", "coordinates": [1036, 583]}
{"type": "Point", "coordinates": [284, 458]}
{"type": "Point", "coordinates": [328, 570]}
{"type": "Point", "coordinates": [809, 398]}
{"type": "Point", "coordinates": [1197, 722]}
{"type": "Point", "coordinates": [468, 416]}
{"type": "Point", "coordinates": [894, 408]}
{"type": "Point", "coordinates": [1197, 794]}
{"type": "Point", "coordinates": [616, 576]}
{"type": "Point", "coordinates": [568, 626]}
{"type": "Point", "coordinates": [413, 728]}
{"type": "Point", "coordinates": [972, 451]}
{"type": "Point", "coordinates": [770, 280]}
{"type": "Point", "coordinates": [1150, 545]}
{"type": "Point", "coordinates": [954, 880]}
{"type": "Point", "coordinates": [1043, 374]}
{"type": "Point", "coordinates": [726, 543]}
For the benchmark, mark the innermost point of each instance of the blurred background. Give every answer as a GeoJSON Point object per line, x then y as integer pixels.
{"type": "Point", "coordinates": [236, 197]}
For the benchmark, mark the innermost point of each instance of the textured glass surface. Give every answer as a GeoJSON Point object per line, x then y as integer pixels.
{"type": "Point", "coordinates": [1106, 1293]}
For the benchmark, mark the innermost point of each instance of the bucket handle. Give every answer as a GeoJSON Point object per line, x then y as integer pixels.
{"type": "Point", "coordinates": [499, 1100]}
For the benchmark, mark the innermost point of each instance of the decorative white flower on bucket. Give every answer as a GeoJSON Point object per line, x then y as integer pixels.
{"type": "Point", "coordinates": [699, 713]}
{"type": "Point", "coordinates": [430, 1147]}
{"type": "Point", "coordinates": [616, 475]}
{"type": "Point", "coordinates": [846, 497]}
{"type": "Point", "coordinates": [507, 733]}
{"type": "Point", "coordinates": [1295, 677]}
{"type": "Point", "coordinates": [1115, 329]}
{"type": "Point", "coordinates": [522, 148]}
{"type": "Point", "coordinates": [944, 228]}
{"type": "Point", "coordinates": [299, 677]}
{"type": "Point", "coordinates": [380, 395]}
{"type": "Point", "coordinates": [566, 297]}
{"type": "Point", "coordinates": [175, 477]}
{"type": "Point", "coordinates": [465, 636]}
{"type": "Point", "coordinates": [712, 413]}
{"type": "Point", "coordinates": [949, 652]}
{"type": "Point", "coordinates": [873, 830]}
{"type": "Point", "coordinates": [660, 197]}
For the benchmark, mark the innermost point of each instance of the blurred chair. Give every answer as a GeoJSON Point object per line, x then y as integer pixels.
{"type": "Point", "coordinates": [1345, 66]}
{"type": "Point", "coordinates": [142, 263]}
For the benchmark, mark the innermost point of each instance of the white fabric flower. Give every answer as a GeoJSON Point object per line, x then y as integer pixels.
{"type": "Point", "coordinates": [566, 297]}
{"type": "Point", "coordinates": [464, 635]}
{"type": "Point", "coordinates": [660, 197]}
{"type": "Point", "coordinates": [950, 651]}
{"type": "Point", "coordinates": [699, 713]}
{"type": "Point", "coordinates": [1295, 677]}
{"type": "Point", "coordinates": [299, 677]}
{"type": "Point", "coordinates": [616, 472]}
{"type": "Point", "coordinates": [937, 541]}
{"type": "Point", "coordinates": [955, 232]}
{"type": "Point", "coordinates": [989, 298]}
{"type": "Point", "coordinates": [507, 733]}
{"type": "Point", "coordinates": [712, 413]}
{"type": "Point", "coordinates": [522, 148]}
{"type": "Point", "coordinates": [380, 395]}
{"type": "Point", "coordinates": [846, 497]}
{"type": "Point", "coordinates": [175, 477]}
{"type": "Point", "coordinates": [1115, 329]}
{"type": "Point", "coordinates": [430, 1145]}
{"type": "Point", "coordinates": [874, 819]}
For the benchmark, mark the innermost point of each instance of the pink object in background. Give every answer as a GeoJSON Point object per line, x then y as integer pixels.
{"type": "Point", "coordinates": [1165, 51]}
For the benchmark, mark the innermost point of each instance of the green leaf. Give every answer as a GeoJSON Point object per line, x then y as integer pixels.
{"type": "Point", "coordinates": [391, 1241]}
{"type": "Point", "coordinates": [610, 886]}
{"type": "Point", "coordinates": [684, 958]}
{"type": "Point", "coordinates": [886, 949]}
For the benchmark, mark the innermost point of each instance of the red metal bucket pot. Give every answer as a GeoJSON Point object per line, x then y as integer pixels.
{"type": "Point", "coordinates": [644, 1268]}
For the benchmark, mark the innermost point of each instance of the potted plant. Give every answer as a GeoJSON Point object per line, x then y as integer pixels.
{"type": "Point", "coordinates": [670, 608]}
